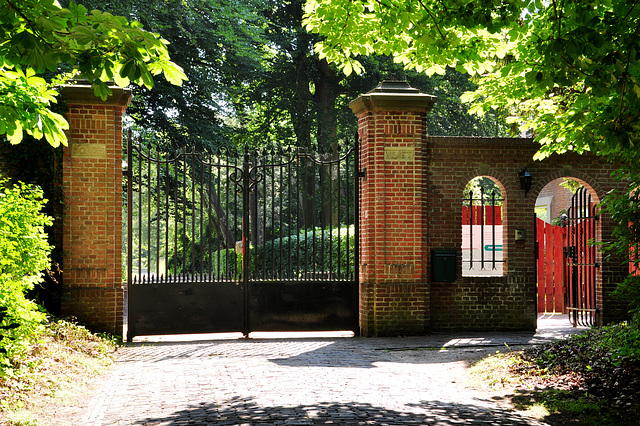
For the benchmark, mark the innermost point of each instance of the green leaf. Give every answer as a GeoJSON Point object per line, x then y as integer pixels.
{"type": "Point", "coordinates": [147, 79]}
{"type": "Point", "coordinates": [15, 137]}
{"type": "Point", "coordinates": [101, 90]}
{"type": "Point", "coordinates": [173, 73]}
{"type": "Point", "coordinates": [83, 35]}
{"type": "Point", "coordinates": [347, 69]}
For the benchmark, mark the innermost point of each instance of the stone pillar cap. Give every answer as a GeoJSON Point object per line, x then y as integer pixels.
{"type": "Point", "coordinates": [393, 86]}
{"type": "Point", "coordinates": [392, 95]}
{"type": "Point", "coordinates": [80, 91]}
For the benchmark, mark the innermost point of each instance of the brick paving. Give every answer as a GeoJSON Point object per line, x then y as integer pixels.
{"type": "Point", "coordinates": [304, 381]}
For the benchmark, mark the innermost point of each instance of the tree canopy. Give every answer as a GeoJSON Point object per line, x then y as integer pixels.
{"type": "Point", "coordinates": [569, 71]}
{"type": "Point", "coordinates": [253, 78]}
{"type": "Point", "coordinates": [219, 45]}
{"type": "Point", "coordinates": [39, 38]}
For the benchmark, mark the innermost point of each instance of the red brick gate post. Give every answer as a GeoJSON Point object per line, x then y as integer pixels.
{"type": "Point", "coordinates": [92, 230]}
{"type": "Point", "coordinates": [394, 294]}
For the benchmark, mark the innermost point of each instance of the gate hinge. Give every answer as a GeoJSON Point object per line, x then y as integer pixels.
{"type": "Point", "coordinates": [362, 174]}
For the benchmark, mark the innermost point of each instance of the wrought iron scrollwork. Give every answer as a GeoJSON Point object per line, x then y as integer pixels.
{"type": "Point", "coordinates": [254, 178]}
{"type": "Point", "coordinates": [236, 177]}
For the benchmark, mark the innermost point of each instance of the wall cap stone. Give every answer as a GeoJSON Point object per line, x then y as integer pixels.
{"type": "Point", "coordinates": [393, 96]}
{"type": "Point", "coordinates": [82, 93]}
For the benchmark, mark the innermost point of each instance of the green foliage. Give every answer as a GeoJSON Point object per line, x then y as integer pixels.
{"type": "Point", "coordinates": [629, 291]}
{"type": "Point", "coordinates": [563, 406]}
{"type": "Point", "coordinates": [557, 221]}
{"type": "Point", "coordinates": [310, 252]}
{"type": "Point", "coordinates": [255, 80]}
{"type": "Point", "coordinates": [218, 44]}
{"type": "Point", "coordinates": [568, 71]}
{"type": "Point", "coordinates": [450, 116]}
{"type": "Point", "coordinates": [624, 208]}
{"type": "Point", "coordinates": [571, 185]}
{"type": "Point", "coordinates": [228, 262]}
{"type": "Point", "coordinates": [606, 359]}
{"type": "Point", "coordinates": [5, 326]}
{"type": "Point", "coordinates": [482, 188]}
{"type": "Point", "coordinates": [39, 37]}
{"type": "Point", "coordinates": [24, 253]}
{"type": "Point", "coordinates": [61, 353]}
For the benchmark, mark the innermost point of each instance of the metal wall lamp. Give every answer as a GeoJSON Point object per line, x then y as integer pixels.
{"type": "Point", "coordinates": [525, 180]}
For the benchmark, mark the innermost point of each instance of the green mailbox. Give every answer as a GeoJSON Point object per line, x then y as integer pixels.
{"type": "Point", "coordinates": [443, 265]}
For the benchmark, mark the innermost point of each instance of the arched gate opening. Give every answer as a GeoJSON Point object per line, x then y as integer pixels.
{"type": "Point", "coordinates": [567, 257]}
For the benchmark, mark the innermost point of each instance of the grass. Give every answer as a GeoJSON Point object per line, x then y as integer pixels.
{"type": "Point", "coordinates": [588, 379]}
{"type": "Point", "coordinates": [62, 355]}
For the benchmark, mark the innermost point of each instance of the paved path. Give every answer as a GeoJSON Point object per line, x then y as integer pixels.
{"type": "Point", "coordinates": [305, 381]}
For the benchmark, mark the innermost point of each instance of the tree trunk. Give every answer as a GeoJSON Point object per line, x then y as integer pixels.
{"type": "Point", "coordinates": [219, 218]}
{"type": "Point", "coordinates": [327, 92]}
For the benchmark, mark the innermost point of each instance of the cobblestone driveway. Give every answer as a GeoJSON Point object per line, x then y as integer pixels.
{"type": "Point", "coordinates": [302, 381]}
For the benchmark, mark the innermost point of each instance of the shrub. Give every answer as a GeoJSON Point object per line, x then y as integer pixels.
{"type": "Point", "coordinates": [310, 251]}
{"type": "Point", "coordinates": [624, 208]}
{"type": "Point", "coordinates": [24, 254]}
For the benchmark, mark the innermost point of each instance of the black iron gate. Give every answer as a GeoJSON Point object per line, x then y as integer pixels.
{"type": "Point", "coordinates": [268, 242]}
{"type": "Point", "coordinates": [581, 259]}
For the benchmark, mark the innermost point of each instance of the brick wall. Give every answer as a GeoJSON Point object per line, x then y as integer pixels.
{"type": "Point", "coordinates": [412, 204]}
{"type": "Point", "coordinates": [92, 232]}
{"type": "Point", "coordinates": [560, 198]}
{"type": "Point", "coordinates": [514, 295]}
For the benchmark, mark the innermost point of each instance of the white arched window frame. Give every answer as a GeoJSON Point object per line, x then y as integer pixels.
{"type": "Point", "coordinates": [482, 230]}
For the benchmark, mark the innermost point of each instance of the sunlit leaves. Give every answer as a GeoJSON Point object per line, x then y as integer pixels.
{"type": "Point", "coordinates": [24, 252]}
{"type": "Point", "coordinates": [41, 36]}
{"type": "Point", "coordinates": [25, 105]}
{"type": "Point", "coordinates": [569, 71]}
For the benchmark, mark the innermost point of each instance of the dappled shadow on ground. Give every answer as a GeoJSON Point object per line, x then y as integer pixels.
{"type": "Point", "coordinates": [338, 351]}
{"type": "Point", "coordinates": [333, 353]}
{"type": "Point", "coordinates": [239, 411]}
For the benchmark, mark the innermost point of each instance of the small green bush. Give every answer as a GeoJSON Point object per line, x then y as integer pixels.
{"type": "Point", "coordinates": [319, 251]}
{"type": "Point", "coordinates": [608, 359]}
{"type": "Point", "coordinates": [24, 254]}
{"type": "Point", "coordinates": [227, 263]}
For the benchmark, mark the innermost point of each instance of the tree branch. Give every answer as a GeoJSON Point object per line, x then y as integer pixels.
{"type": "Point", "coordinates": [626, 72]}
{"type": "Point", "coordinates": [433, 18]}
{"type": "Point", "coordinates": [555, 13]}
{"type": "Point", "coordinates": [631, 10]}
{"type": "Point", "coordinates": [29, 23]}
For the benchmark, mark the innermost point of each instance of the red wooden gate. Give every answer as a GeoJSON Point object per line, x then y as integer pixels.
{"type": "Point", "coordinates": [550, 241]}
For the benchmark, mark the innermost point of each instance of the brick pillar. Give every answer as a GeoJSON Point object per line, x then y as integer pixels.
{"type": "Point", "coordinates": [92, 224]}
{"type": "Point", "coordinates": [394, 294]}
